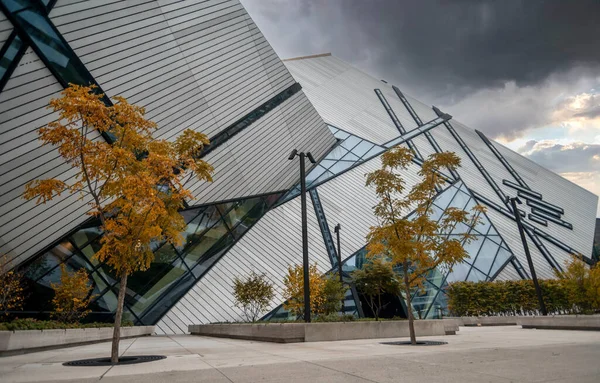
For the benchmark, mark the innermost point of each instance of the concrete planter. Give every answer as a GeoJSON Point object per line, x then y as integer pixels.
{"type": "Point", "coordinates": [22, 341]}
{"type": "Point", "coordinates": [318, 332]}
{"type": "Point", "coordinates": [559, 322]}
{"type": "Point", "coordinates": [486, 321]}
{"type": "Point", "coordinates": [567, 322]}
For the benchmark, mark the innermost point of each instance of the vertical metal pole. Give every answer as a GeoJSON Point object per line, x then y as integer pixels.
{"type": "Point", "coordinates": [305, 265]}
{"type": "Point", "coordinates": [339, 255]}
{"type": "Point", "coordinates": [538, 290]}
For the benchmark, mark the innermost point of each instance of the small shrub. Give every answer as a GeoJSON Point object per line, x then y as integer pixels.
{"type": "Point", "coordinates": [333, 293]}
{"type": "Point", "coordinates": [11, 293]}
{"type": "Point", "coordinates": [375, 279]}
{"type": "Point", "coordinates": [71, 296]}
{"type": "Point", "coordinates": [577, 291]}
{"type": "Point", "coordinates": [253, 295]}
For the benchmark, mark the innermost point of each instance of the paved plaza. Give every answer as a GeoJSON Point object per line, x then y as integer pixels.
{"type": "Point", "coordinates": [483, 354]}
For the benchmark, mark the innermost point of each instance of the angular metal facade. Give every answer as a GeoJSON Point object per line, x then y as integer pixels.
{"type": "Point", "coordinates": [202, 65]}
{"type": "Point", "coordinates": [205, 65]}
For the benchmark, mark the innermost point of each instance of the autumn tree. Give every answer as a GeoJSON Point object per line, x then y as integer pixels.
{"type": "Point", "coordinates": [415, 242]}
{"type": "Point", "coordinates": [582, 284]}
{"type": "Point", "coordinates": [594, 289]}
{"type": "Point", "coordinates": [253, 295]}
{"type": "Point", "coordinates": [72, 295]}
{"type": "Point", "coordinates": [294, 290]}
{"type": "Point", "coordinates": [11, 288]}
{"type": "Point", "coordinates": [133, 185]}
{"type": "Point", "coordinates": [375, 279]}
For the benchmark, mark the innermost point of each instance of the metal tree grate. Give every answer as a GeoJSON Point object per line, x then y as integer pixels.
{"type": "Point", "coordinates": [419, 343]}
{"type": "Point", "coordinates": [94, 362]}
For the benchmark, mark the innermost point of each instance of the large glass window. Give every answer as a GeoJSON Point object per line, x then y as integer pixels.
{"type": "Point", "coordinates": [349, 151]}
{"type": "Point", "coordinates": [487, 255]}
{"type": "Point", "coordinates": [210, 232]}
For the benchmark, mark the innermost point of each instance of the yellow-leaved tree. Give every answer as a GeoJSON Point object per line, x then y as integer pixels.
{"type": "Point", "coordinates": [582, 284]}
{"type": "Point", "coordinates": [134, 185]}
{"type": "Point", "coordinates": [294, 290]}
{"type": "Point", "coordinates": [416, 243]}
{"type": "Point", "coordinates": [72, 295]}
{"type": "Point", "coordinates": [11, 288]}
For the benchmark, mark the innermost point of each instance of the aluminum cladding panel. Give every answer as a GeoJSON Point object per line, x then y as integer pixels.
{"type": "Point", "coordinates": [579, 204]}
{"type": "Point", "coordinates": [255, 161]}
{"type": "Point", "coordinates": [345, 98]}
{"type": "Point", "coordinates": [195, 64]}
{"type": "Point", "coordinates": [24, 227]}
{"type": "Point", "coordinates": [348, 201]}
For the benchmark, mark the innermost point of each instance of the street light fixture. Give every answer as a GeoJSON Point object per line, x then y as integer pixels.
{"type": "Point", "coordinates": [336, 229]}
{"type": "Point", "coordinates": [302, 156]}
{"type": "Point", "coordinates": [514, 201]}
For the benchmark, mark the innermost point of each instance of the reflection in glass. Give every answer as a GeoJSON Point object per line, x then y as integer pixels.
{"type": "Point", "coordinates": [210, 233]}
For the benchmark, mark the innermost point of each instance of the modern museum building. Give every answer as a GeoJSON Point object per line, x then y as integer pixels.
{"type": "Point", "coordinates": [205, 65]}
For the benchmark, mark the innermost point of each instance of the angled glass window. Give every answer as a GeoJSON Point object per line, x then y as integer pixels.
{"type": "Point", "coordinates": [501, 260]}
{"type": "Point", "coordinates": [10, 54]}
{"type": "Point", "coordinates": [210, 233]}
{"type": "Point", "coordinates": [446, 197]}
{"type": "Point", "coordinates": [486, 255]}
{"type": "Point", "coordinates": [349, 151]}
{"type": "Point", "coordinates": [422, 300]}
{"type": "Point", "coordinates": [476, 276]}
{"type": "Point", "coordinates": [460, 200]}
{"type": "Point", "coordinates": [459, 272]}
{"type": "Point", "coordinates": [31, 18]}
{"type": "Point", "coordinates": [472, 248]}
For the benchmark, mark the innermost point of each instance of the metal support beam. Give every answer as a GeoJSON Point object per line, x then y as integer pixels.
{"type": "Point", "coordinates": [538, 290]}
{"type": "Point", "coordinates": [305, 264]}
{"type": "Point", "coordinates": [339, 262]}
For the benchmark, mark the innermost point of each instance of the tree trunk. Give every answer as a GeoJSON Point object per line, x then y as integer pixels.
{"type": "Point", "coordinates": [114, 354]}
{"type": "Point", "coordinates": [411, 319]}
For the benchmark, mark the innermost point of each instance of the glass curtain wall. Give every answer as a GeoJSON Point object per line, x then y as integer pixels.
{"type": "Point", "coordinates": [349, 151]}
{"type": "Point", "coordinates": [211, 231]}
{"type": "Point", "coordinates": [488, 254]}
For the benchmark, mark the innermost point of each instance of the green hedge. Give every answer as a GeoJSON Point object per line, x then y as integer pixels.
{"type": "Point", "coordinates": [34, 324]}
{"type": "Point", "coordinates": [507, 298]}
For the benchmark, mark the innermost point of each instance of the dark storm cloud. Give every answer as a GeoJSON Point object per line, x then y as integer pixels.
{"type": "Point", "coordinates": [454, 47]}
{"type": "Point", "coordinates": [506, 67]}
{"type": "Point", "coordinates": [482, 43]}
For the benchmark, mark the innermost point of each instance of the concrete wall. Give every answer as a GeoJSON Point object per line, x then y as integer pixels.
{"type": "Point", "coordinates": [21, 341]}
{"type": "Point", "coordinates": [318, 332]}
{"type": "Point", "coordinates": [486, 321]}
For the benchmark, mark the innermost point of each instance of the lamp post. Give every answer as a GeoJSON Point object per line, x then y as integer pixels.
{"type": "Point", "coordinates": [514, 201]}
{"type": "Point", "coordinates": [302, 156]}
{"type": "Point", "coordinates": [339, 255]}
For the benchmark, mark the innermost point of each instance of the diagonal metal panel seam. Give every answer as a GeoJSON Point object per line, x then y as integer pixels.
{"type": "Point", "coordinates": [390, 145]}
{"type": "Point", "coordinates": [503, 197]}
{"type": "Point", "coordinates": [388, 108]}
{"type": "Point", "coordinates": [418, 120]}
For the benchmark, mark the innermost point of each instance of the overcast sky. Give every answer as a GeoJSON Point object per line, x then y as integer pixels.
{"type": "Point", "coordinates": [526, 73]}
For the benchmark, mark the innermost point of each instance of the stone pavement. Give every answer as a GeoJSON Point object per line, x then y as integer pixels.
{"type": "Point", "coordinates": [484, 354]}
